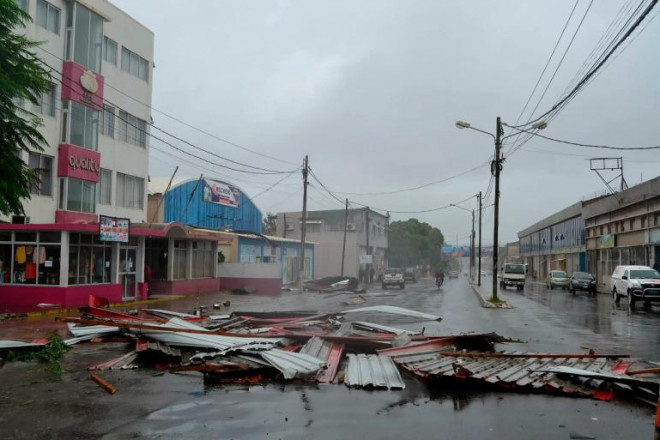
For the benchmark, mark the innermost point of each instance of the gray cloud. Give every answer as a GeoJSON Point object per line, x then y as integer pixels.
{"type": "Point", "coordinates": [371, 90]}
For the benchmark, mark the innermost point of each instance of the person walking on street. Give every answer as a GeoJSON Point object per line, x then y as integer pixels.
{"type": "Point", "coordinates": [371, 275]}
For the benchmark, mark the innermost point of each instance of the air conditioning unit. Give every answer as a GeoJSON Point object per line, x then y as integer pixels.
{"type": "Point", "coordinates": [289, 227]}
{"type": "Point", "coordinates": [350, 227]}
{"type": "Point", "coordinates": [20, 219]}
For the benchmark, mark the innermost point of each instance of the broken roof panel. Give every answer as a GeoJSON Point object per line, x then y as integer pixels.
{"type": "Point", "coordinates": [327, 351]}
{"type": "Point", "coordinates": [395, 311]}
{"type": "Point", "coordinates": [292, 365]}
{"type": "Point", "coordinates": [372, 371]}
{"type": "Point", "coordinates": [531, 371]}
{"type": "Point", "coordinates": [219, 342]}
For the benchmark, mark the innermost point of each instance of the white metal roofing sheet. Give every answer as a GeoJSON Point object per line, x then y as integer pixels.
{"type": "Point", "coordinates": [372, 370]}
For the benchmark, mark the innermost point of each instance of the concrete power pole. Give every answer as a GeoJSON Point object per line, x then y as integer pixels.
{"type": "Point", "coordinates": [497, 165]}
{"type": "Point", "coordinates": [479, 272]}
{"type": "Point", "coordinates": [472, 251]}
{"type": "Point", "coordinates": [366, 272]}
{"type": "Point", "coordinates": [343, 249]}
{"type": "Point", "coordinates": [303, 226]}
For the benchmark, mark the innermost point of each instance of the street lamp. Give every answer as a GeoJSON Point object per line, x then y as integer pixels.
{"type": "Point", "coordinates": [471, 239]}
{"type": "Point", "coordinates": [496, 168]}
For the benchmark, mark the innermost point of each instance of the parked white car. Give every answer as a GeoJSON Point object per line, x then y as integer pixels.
{"type": "Point", "coordinates": [637, 283]}
{"type": "Point", "coordinates": [393, 276]}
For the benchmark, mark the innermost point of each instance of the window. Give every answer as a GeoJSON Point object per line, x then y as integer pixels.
{"type": "Point", "coordinates": [132, 130]}
{"type": "Point", "coordinates": [104, 187]}
{"type": "Point", "coordinates": [601, 229]}
{"type": "Point", "coordinates": [642, 221]}
{"type": "Point", "coordinates": [180, 259]}
{"type": "Point", "coordinates": [656, 219]}
{"type": "Point", "coordinates": [134, 64]}
{"type": "Point", "coordinates": [89, 260]}
{"type": "Point", "coordinates": [110, 50]}
{"type": "Point", "coordinates": [80, 195]}
{"type": "Point", "coordinates": [46, 104]}
{"type": "Point", "coordinates": [632, 224]}
{"type": "Point", "coordinates": [84, 126]}
{"type": "Point", "coordinates": [203, 259]}
{"type": "Point", "coordinates": [108, 121]}
{"type": "Point", "coordinates": [48, 16]}
{"type": "Point", "coordinates": [30, 258]}
{"type": "Point", "coordinates": [44, 168]}
{"type": "Point", "coordinates": [88, 38]}
{"type": "Point", "coordinates": [130, 191]}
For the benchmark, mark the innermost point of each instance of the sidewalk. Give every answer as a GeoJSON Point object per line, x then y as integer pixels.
{"type": "Point", "coordinates": [484, 293]}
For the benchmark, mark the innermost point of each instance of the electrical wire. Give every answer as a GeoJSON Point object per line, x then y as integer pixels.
{"type": "Point", "coordinates": [147, 133]}
{"type": "Point", "coordinates": [579, 144]}
{"type": "Point", "coordinates": [538, 81]}
{"type": "Point", "coordinates": [598, 66]}
{"type": "Point", "coordinates": [244, 148]}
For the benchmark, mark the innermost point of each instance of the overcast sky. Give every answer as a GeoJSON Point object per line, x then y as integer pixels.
{"type": "Point", "coordinates": [371, 90]}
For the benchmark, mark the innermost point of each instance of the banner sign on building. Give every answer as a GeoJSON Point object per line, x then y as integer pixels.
{"type": "Point", "coordinates": [220, 193]}
{"type": "Point", "coordinates": [114, 229]}
{"type": "Point", "coordinates": [366, 259]}
{"type": "Point", "coordinates": [455, 251]}
{"type": "Point", "coordinates": [606, 241]}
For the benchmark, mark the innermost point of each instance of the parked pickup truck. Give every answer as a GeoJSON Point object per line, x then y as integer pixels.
{"type": "Point", "coordinates": [513, 275]}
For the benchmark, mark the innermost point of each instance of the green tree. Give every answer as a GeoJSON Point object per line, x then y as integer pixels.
{"type": "Point", "coordinates": [269, 224]}
{"type": "Point", "coordinates": [413, 242]}
{"type": "Point", "coordinates": [22, 78]}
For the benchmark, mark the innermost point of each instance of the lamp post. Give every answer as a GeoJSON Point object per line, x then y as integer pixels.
{"type": "Point", "coordinates": [471, 239]}
{"type": "Point", "coordinates": [495, 169]}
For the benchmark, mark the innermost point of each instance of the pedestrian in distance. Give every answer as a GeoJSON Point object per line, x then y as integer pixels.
{"type": "Point", "coordinates": [371, 274]}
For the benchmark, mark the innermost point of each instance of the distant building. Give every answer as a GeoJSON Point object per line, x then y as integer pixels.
{"type": "Point", "coordinates": [366, 235]}
{"type": "Point", "coordinates": [623, 229]}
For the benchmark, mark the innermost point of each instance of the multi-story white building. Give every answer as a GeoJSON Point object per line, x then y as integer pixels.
{"type": "Point", "coordinates": [96, 118]}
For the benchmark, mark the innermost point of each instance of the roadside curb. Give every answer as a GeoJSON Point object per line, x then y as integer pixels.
{"type": "Point", "coordinates": [487, 304]}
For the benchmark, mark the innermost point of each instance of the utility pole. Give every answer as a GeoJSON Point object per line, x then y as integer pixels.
{"type": "Point", "coordinates": [472, 251]}
{"type": "Point", "coordinates": [303, 226]}
{"type": "Point", "coordinates": [367, 269]}
{"type": "Point", "coordinates": [343, 249]}
{"type": "Point", "coordinates": [496, 167]}
{"type": "Point", "coordinates": [284, 231]}
{"type": "Point", "coordinates": [479, 273]}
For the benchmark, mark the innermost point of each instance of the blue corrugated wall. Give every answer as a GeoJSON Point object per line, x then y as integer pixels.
{"type": "Point", "coordinates": [246, 217]}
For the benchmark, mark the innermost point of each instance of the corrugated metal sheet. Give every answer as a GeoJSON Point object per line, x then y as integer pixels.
{"type": "Point", "coordinates": [382, 328]}
{"type": "Point", "coordinates": [19, 344]}
{"type": "Point", "coordinates": [218, 342]}
{"type": "Point", "coordinates": [292, 365]}
{"type": "Point", "coordinates": [395, 311]}
{"type": "Point", "coordinates": [527, 371]}
{"type": "Point", "coordinates": [82, 330]}
{"type": "Point", "coordinates": [197, 212]}
{"type": "Point", "coordinates": [372, 371]}
{"type": "Point", "coordinates": [329, 352]}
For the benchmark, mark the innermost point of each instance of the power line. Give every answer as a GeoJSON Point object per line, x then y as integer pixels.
{"type": "Point", "coordinates": [147, 133]}
{"type": "Point", "coordinates": [595, 69]}
{"type": "Point", "coordinates": [547, 62]}
{"type": "Point", "coordinates": [415, 187]}
{"type": "Point", "coordinates": [181, 121]}
{"type": "Point", "coordinates": [579, 144]}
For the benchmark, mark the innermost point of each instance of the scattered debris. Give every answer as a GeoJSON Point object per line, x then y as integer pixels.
{"type": "Point", "coordinates": [372, 371]}
{"type": "Point", "coordinates": [103, 384]}
{"type": "Point", "coordinates": [395, 311]}
{"type": "Point", "coordinates": [255, 347]}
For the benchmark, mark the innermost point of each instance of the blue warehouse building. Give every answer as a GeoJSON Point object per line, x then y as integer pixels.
{"type": "Point", "coordinates": [211, 204]}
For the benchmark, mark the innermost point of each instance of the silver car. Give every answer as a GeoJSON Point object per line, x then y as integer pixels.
{"type": "Point", "coordinates": [557, 278]}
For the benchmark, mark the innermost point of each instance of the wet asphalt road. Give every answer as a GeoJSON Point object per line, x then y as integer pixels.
{"type": "Point", "coordinates": [38, 404]}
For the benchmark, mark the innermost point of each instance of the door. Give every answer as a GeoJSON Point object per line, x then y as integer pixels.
{"type": "Point", "coordinates": [127, 272]}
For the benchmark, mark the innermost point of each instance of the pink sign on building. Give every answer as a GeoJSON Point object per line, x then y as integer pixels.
{"type": "Point", "coordinates": [79, 163]}
{"type": "Point", "coordinates": [82, 85]}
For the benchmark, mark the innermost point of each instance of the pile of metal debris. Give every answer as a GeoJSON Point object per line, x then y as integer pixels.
{"type": "Point", "coordinates": [335, 284]}
{"type": "Point", "coordinates": [257, 347]}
